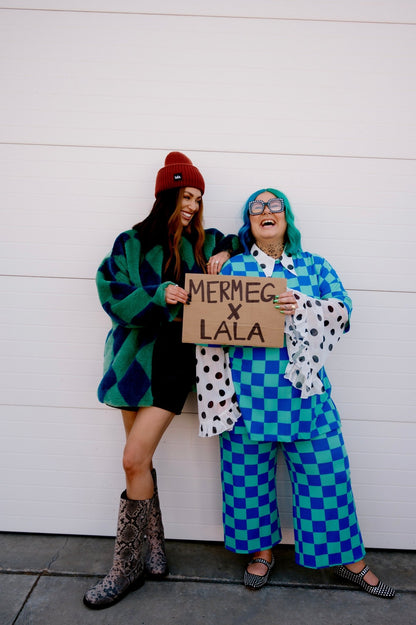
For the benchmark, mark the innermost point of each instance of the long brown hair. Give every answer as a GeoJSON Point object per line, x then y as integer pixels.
{"type": "Point", "coordinates": [163, 227]}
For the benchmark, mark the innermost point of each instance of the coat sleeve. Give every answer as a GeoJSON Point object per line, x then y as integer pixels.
{"type": "Point", "coordinates": [224, 243]}
{"type": "Point", "coordinates": [331, 287]}
{"type": "Point", "coordinates": [127, 298]}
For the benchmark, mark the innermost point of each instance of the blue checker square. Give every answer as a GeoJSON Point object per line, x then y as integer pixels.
{"type": "Point", "coordinates": [258, 403]}
{"type": "Point", "coordinates": [333, 559]}
{"type": "Point", "coordinates": [252, 513]}
{"type": "Point", "coordinates": [245, 390]}
{"type": "Point", "coordinates": [285, 405]}
{"type": "Point", "coordinates": [314, 480]}
{"type": "Point", "coordinates": [318, 526]}
{"type": "Point", "coordinates": [241, 524]}
{"type": "Point", "coordinates": [257, 427]}
{"type": "Point", "coordinates": [242, 546]}
{"type": "Point", "coordinates": [346, 545]}
{"type": "Point", "coordinates": [342, 500]}
{"type": "Point", "coordinates": [329, 491]}
{"type": "Point", "coordinates": [284, 429]}
{"type": "Point", "coordinates": [331, 513]}
{"type": "Point", "coordinates": [239, 503]}
{"type": "Point", "coordinates": [253, 534]}
{"type": "Point", "coordinates": [358, 553]}
{"type": "Point", "coordinates": [317, 504]}
{"type": "Point", "coordinates": [333, 537]}
{"type": "Point", "coordinates": [326, 468]}
{"type": "Point", "coordinates": [305, 513]}
{"type": "Point", "coordinates": [309, 561]}
{"type": "Point", "coordinates": [263, 500]}
{"type": "Point", "coordinates": [321, 445]}
{"type": "Point", "coordinates": [257, 379]}
{"type": "Point", "coordinates": [228, 510]}
{"type": "Point", "coordinates": [321, 549]}
{"type": "Point", "coordinates": [303, 490]}
{"type": "Point", "coordinates": [251, 493]}
{"type": "Point", "coordinates": [246, 365]}
{"type": "Point", "coordinates": [270, 392]}
{"type": "Point", "coordinates": [228, 490]}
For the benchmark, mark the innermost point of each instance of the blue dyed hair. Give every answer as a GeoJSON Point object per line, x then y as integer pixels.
{"type": "Point", "coordinates": [292, 234]}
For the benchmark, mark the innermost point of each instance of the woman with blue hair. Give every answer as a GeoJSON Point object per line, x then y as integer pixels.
{"type": "Point", "coordinates": [260, 399]}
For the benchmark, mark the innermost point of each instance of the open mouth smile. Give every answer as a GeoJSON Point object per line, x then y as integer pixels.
{"type": "Point", "coordinates": [267, 222]}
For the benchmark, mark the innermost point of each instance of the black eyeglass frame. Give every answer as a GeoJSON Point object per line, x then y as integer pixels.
{"type": "Point", "coordinates": [264, 204]}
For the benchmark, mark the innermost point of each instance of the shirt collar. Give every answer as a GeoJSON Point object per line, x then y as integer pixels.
{"type": "Point", "coordinates": [267, 263]}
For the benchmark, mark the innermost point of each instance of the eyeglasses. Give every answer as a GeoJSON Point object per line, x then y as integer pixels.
{"type": "Point", "coordinates": [276, 205]}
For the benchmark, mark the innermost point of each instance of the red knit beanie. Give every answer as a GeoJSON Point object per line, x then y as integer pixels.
{"type": "Point", "coordinates": [178, 172]}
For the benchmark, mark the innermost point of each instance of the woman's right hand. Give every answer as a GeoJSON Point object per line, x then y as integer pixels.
{"type": "Point", "coordinates": [286, 303]}
{"type": "Point", "coordinates": [174, 294]}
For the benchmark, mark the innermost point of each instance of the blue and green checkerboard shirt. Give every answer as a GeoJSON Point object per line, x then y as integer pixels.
{"type": "Point", "coordinates": [272, 409]}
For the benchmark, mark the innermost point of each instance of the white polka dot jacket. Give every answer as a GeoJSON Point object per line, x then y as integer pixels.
{"type": "Point", "coordinates": [280, 393]}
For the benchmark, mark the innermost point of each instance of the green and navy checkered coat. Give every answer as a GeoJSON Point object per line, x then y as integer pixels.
{"type": "Point", "coordinates": [132, 291]}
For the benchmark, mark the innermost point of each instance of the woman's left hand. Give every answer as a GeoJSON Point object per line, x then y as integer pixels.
{"type": "Point", "coordinates": [216, 262]}
{"type": "Point", "coordinates": [286, 303]}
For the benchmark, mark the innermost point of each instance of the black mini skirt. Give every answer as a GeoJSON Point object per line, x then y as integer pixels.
{"type": "Point", "coordinates": [173, 368]}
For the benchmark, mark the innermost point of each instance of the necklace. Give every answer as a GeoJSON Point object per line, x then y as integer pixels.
{"type": "Point", "coordinates": [275, 250]}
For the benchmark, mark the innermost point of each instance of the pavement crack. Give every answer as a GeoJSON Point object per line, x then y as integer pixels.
{"type": "Point", "coordinates": [29, 594]}
{"type": "Point", "coordinates": [58, 553]}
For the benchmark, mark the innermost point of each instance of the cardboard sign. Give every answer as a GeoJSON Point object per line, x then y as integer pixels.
{"type": "Point", "coordinates": [233, 310]}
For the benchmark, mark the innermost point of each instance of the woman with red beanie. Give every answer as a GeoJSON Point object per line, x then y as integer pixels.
{"type": "Point", "coordinates": [148, 371]}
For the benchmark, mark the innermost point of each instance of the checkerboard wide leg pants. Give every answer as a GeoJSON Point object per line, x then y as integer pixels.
{"type": "Point", "coordinates": [325, 521]}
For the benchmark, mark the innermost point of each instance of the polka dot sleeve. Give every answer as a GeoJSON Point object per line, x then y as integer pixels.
{"type": "Point", "coordinates": [217, 403]}
{"type": "Point", "coordinates": [311, 335]}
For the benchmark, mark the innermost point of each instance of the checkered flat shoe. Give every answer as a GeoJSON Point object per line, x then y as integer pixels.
{"type": "Point", "coordinates": [380, 590]}
{"type": "Point", "coordinates": [257, 581]}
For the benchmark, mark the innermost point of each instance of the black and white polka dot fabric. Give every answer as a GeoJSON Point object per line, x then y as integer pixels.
{"type": "Point", "coordinates": [311, 334]}
{"type": "Point", "coordinates": [217, 403]}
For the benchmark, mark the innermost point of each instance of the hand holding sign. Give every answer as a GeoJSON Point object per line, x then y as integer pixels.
{"type": "Point", "coordinates": [233, 310]}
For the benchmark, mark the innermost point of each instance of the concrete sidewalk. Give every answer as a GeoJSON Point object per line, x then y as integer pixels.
{"type": "Point", "coordinates": [43, 579]}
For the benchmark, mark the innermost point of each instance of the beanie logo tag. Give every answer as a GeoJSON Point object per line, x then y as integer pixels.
{"type": "Point", "coordinates": [177, 176]}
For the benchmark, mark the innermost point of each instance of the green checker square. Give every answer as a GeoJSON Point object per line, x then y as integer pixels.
{"type": "Point", "coordinates": [343, 513]}
{"type": "Point", "coordinates": [239, 470]}
{"type": "Point", "coordinates": [264, 511]}
{"type": "Point", "coordinates": [252, 503]}
{"type": "Point", "coordinates": [306, 525]}
{"type": "Point", "coordinates": [316, 493]}
{"type": "Point", "coordinates": [302, 480]}
{"type": "Point", "coordinates": [240, 514]}
{"type": "Point", "coordinates": [308, 549]}
{"type": "Point", "coordinates": [245, 401]}
{"type": "Point", "coordinates": [252, 524]}
{"type": "Point", "coordinates": [258, 366]}
{"type": "Point", "coordinates": [257, 391]}
{"type": "Point", "coordinates": [264, 532]}
{"type": "Point", "coordinates": [269, 379]}
{"type": "Point", "coordinates": [318, 515]}
{"type": "Point", "coordinates": [304, 502]}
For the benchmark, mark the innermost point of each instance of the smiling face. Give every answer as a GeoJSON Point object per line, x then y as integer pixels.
{"type": "Point", "coordinates": [268, 227]}
{"type": "Point", "coordinates": [189, 202]}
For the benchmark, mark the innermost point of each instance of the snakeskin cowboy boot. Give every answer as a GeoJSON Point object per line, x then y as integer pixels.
{"type": "Point", "coordinates": [127, 571]}
{"type": "Point", "coordinates": [156, 562]}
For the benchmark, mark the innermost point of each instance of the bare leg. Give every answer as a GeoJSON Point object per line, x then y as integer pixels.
{"type": "Point", "coordinates": [144, 429]}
